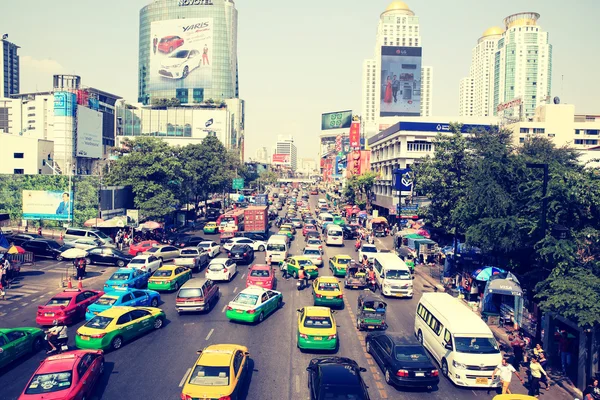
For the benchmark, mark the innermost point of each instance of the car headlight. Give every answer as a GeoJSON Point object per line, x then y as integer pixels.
{"type": "Point", "coordinates": [458, 365]}
{"type": "Point", "coordinates": [387, 285]}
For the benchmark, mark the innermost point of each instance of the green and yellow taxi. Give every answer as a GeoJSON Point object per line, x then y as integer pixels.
{"type": "Point", "coordinates": [210, 227]}
{"type": "Point", "coordinates": [289, 227]}
{"type": "Point", "coordinates": [254, 304]}
{"type": "Point", "coordinates": [293, 264]}
{"type": "Point", "coordinates": [327, 292]}
{"type": "Point", "coordinates": [338, 264]}
{"type": "Point", "coordinates": [169, 277]}
{"type": "Point", "coordinates": [111, 328]}
{"type": "Point", "coordinates": [316, 329]}
{"type": "Point", "coordinates": [18, 342]}
{"type": "Point", "coordinates": [287, 232]}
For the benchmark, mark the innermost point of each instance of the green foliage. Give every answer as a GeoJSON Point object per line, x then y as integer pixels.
{"type": "Point", "coordinates": [359, 188]}
{"type": "Point", "coordinates": [163, 104]}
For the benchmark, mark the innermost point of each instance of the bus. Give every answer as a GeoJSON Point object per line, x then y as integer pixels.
{"type": "Point", "coordinates": [233, 220]}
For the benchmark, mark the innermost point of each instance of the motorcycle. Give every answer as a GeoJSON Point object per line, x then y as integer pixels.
{"type": "Point", "coordinates": [357, 246]}
{"type": "Point", "coordinates": [61, 345]}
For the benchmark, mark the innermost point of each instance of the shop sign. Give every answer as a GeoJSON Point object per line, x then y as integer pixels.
{"type": "Point", "coordinates": [183, 3]}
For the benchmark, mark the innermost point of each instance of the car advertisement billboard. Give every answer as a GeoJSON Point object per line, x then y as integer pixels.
{"type": "Point", "coordinates": [400, 81]}
{"type": "Point", "coordinates": [336, 120]}
{"type": "Point", "coordinates": [89, 133]}
{"type": "Point", "coordinates": [281, 158]}
{"type": "Point", "coordinates": [48, 205]}
{"type": "Point", "coordinates": [181, 54]}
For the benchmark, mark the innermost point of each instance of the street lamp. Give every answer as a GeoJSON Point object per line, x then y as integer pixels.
{"type": "Point", "coordinates": [397, 186]}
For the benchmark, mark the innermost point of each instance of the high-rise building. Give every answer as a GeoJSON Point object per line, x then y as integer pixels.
{"type": "Point", "coordinates": [188, 51]}
{"type": "Point", "coordinates": [477, 90]}
{"type": "Point", "coordinates": [285, 153]}
{"type": "Point", "coordinates": [9, 68]}
{"type": "Point", "coordinates": [397, 58]}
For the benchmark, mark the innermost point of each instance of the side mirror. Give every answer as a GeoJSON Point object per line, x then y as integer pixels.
{"type": "Point", "coordinates": [308, 369]}
{"type": "Point", "coordinates": [448, 346]}
{"type": "Point", "coordinates": [199, 352]}
{"type": "Point", "coordinates": [381, 276]}
{"type": "Point", "coordinates": [299, 310]}
{"type": "Point", "coordinates": [362, 369]}
{"type": "Point", "coordinates": [247, 353]}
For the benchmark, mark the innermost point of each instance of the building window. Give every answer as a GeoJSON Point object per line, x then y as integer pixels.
{"type": "Point", "coordinates": [19, 171]}
{"type": "Point", "coordinates": [592, 132]}
{"type": "Point", "coordinates": [198, 95]}
{"type": "Point", "coordinates": [592, 142]}
{"type": "Point", "coordinates": [418, 146]}
{"type": "Point", "coordinates": [539, 130]}
{"type": "Point", "coordinates": [182, 95]}
{"type": "Point", "coordinates": [521, 140]}
{"type": "Point", "coordinates": [578, 141]}
{"type": "Point", "coordinates": [524, 130]}
{"type": "Point", "coordinates": [18, 155]}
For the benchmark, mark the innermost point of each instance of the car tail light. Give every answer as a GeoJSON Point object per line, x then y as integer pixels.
{"type": "Point", "coordinates": [402, 373]}
{"type": "Point", "coordinates": [58, 313]}
{"type": "Point", "coordinates": [229, 255]}
{"type": "Point", "coordinates": [245, 254]}
{"type": "Point", "coordinates": [331, 337]}
{"type": "Point", "coordinates": [319, 259]}
{"type": "Point", "coordinates": [251, 311]}
{"type": "Point", "coordinates": [98, 336]}
{"type": "Point", "coordinates": [435, 372]}
{"type": "Point", "coordinates": [185, 397]}
{"type": "Point", "coordinates": [303, 336]}
{"type": "Point", "coordinates": [318, 295]}
{"type": "Point", "coordinates": [225, 270]}
{"type": "Point", "coordinates": [229, 308]}
{"type": "Point", "coordinates": [225, 398]}
{"type": "Point", "coordinates": [267, 283]}
{"type": "Point", "coordinates": [341, 296]}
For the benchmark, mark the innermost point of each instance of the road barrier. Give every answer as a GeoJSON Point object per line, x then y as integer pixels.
{"type": "Point", "coordinates": [26, 258]}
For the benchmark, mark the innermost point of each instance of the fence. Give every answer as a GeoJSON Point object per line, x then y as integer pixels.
{"type": "Point", "coordinates": [23, 258]}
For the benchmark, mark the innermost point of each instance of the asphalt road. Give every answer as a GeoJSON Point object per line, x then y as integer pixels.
{"type": "Point", "coordinates": [156, 365]}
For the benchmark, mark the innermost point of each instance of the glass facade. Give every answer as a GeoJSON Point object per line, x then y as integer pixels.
{"type": "Point", "coordinates": [223, 51]}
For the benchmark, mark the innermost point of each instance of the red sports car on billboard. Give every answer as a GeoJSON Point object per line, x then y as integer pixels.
{"type": "Point", "coordinates": [67, 307]}
{"type": "Point", "coordinates": [71, 375]}
{"type": "Point", "coordinates": [169, 43]}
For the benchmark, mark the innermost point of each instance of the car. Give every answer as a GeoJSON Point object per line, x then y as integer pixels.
{"type": "Point", "coordinates": [180, 63]}
{"type": "Point", "coordinates": [314, 243]}
{"type": "Point", "coordinates": [241, 253]}
{"type": "Point", "coordinates": [293, 264]}
{"type": "Point", "coordinates": [253, 304]}
{"type": "Point", "coordinates": [308, 228]}
{"type": "Point", "coordinates": [44, 248]}
{"type": "Point", "coordinates": [316, 329]}
{"type": "Point", "coordinates": [189, 241]}
{"type": "Point", "coordinates": [286, 231]}
{"type": "Point", "coordinates": [127, 278]}
{"type": "Point", "coordinates": [312, 235]}
{"type": "Point", "coordinates": [197, 294]}
{"type": "Point", "coordinates": [350, 231]}
{"type": "Point", "coordinates": [315, 255]}
{"type": "Point", "coordinates": [20, 238]}
{"type": "Point", "coordinates": [123, 297]}
{"type": "Point", "coordinates": [169, 277]}
{"type": "Point", "coordinates": [289, 227]}
{"type": "Point", "coordinates": [111, 328]}
{"type": "Point", "coordinates": [219, 373]}
{"type": "Point", "coordinates": [145, 262]}
{"type": "Point", "coordinates": [195, 258]}
{"type": "Point", "coordinates": [369, 250]}
{"type": "Point", "coordinates": [339, 263]}
{"type": "Point", "coordinates": [221, 269]}
{"type": "Point", "coordinates": [255, 244]}
{"type": "Point", "coordinates": [402, 359]}
{"type": "Point", "coordinates": [327, 292]}
{"type": "Point", "coordinates": [169, 43]}
{"type": "Point", "coordinates": [210, 227]}
{"type": "Point", "coordinates": [137, 249]}
{"type": "Point", "coordinates": [261, 275]}
{"type": "Point", "coordinates": [70, 375]}
{"type": "Point", "coordinates": [164, 252]}
{"type": "Point", "coordinates": [85, 243]}
{"type": "Point", "coordinates": [66, 307]}
{"type": "Point", "coordinates": [212, 248]}
{"type": "Point", "coordinates": [297, 223]}
{"type": "Point", "coordinates": [18, 342]}
{"type": "Point", "coordinates": [336, 378]}
{"type": "Point", "coordinates": [107, 255]}
{"type": "Point", "coordinates": [314, 192]}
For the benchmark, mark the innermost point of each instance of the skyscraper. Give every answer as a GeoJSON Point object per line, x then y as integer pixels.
{"type": "Point", "coordinates": [9, 68]}
{"type": "Point", "coordinates": [285, 153]}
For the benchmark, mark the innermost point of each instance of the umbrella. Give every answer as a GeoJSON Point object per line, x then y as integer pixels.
{"type": "Point", "coordinates": [93, 222]}
{"type": "Point", "coordinates": [16, 250]}
{"type": "Point", "coordinates": [424, 233]}
{"type": "Point", "coordinates": [484, 274]}
{"type": "Point", "coordinates": [74, 253]}
{"type": "Point", "coordinates": [151, 225]}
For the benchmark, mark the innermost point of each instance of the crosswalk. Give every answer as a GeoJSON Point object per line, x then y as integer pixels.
{"type": "Point", "coordinates": [23, 294]}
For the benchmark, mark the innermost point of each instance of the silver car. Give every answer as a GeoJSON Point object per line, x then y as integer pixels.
{"type": "Point", "coordinates": [315, 256]}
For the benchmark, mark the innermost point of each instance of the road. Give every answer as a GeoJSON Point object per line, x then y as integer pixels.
{"type": "Point", "coordinates": [156, 365]}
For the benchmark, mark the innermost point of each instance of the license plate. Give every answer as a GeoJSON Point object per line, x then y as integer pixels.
{"type": "Point", "coordinates": [259, 283]}
{"type": "Point", "coordinates": [239, 311]}
{"type": "Point", "coordinates": [85, 338]}
{"type": "Point", "coordinates": [96, 313]}
{"type": "Point", "coordinates": [329, 297]}
{"type": "Point", "coordinates": [318, 338]}
{"type": "Point", "coordinates": [481, 381]}
{"type": "Point", "coordinates": [189, 302]}
{"type": "Point", "coordinates": [114, 287]}
{"type": "Point", "coordinates": [49, 314]}
{"type": "Point", "coordinates": [354, 287]}
{"type": "Point", "coordinates": [419, 373]}
{"type": "Point", "coordinates": [371, 327]}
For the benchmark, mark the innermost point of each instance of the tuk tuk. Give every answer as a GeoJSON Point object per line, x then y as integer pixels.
{"type": "Point", "coordinates": [370, 313]}
{"type": "Point", "coordinates": [379, 226]}
{"type": "Point", "coordinates": [354, 278]}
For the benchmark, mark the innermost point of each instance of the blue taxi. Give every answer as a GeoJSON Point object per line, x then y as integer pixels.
{"type": "Point", "coordinates": [123, 297]}
{"type": "Point", "coordinates": [127, 278]}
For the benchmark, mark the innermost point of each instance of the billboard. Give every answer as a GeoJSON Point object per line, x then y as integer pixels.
{"type": "Point", "coordinates": [89, 133]}
{"type": "Point", "coordinates": [64, 104]}
{"type": "Point", "coordinates": [400, 81]}
{"type": "Point", "coordinates": [49, 205]}
{"type": "Point", "coordinates": [133, 218]}
{"type": "Point", "coordinates": [181, 54]}
{"type": "Point", "coordinates": [336, 120]}
{"type": "Point", "coordinates": [281, 158]}
{"type": "Point", "coordinates": [355, 135]}
{"type": "Point", "coordinates": [358, 162]}
{"type": "Point", "coordinates": [403, 181]}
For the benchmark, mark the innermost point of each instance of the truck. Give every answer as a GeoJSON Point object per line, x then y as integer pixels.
{"type": "Point", "coordinates": [256, 219]}
{"type": "Point", "coordinates": [193, 258]}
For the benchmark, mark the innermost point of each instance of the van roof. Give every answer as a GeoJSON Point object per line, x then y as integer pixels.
{"type": "Point", "coordinates": [390, 260]}
{"type": "Point", "coordinates": [278, 238]}
{"type": "Point", "coordinates": [463, 320]}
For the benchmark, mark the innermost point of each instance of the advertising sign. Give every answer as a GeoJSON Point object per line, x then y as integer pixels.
{"type": "Point", "coordinates": [261, 200]}
{"type": "Point", "coordinates": [400, 81]}
{"type": "Point", "coordinates": [403, 180]}
{"type": "Point", "coordinates": [48, 205]}
{"type": "Point", "coordinates": [281, 158]}
{"type": "Point", "coordinates": [64, 104]}
{"type": "Point", "coordinates": [358, 162]}
{"type": "Point", "coordinates": [336, 120]}
{"type": "Point", "coordinates": [89, 133]}
{"type": "Point", "coordinates": [181, 54]}
{"type": "Point", "coordinates": [133, 218]}
{"type": "Point", "coordinates": [510, 104]}
{"type": "Point", "coordinates": [355, 135]}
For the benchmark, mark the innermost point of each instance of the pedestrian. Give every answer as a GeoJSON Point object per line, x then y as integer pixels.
{"type": "Point", "coordinates": [536, 371]}
{"type": "Point", "coordinates": [269, 260]}
{"type": "Point", "coordinates": [543, 361]}
{"type": "Point", "coordinates": [564, 346]}
{"type": "Point", "coordinates": [538, 350]}
{"type": "Point", "coordinates": [7, 272]}
{"type": "Point", "coordinates": [79, 268]}
{"type": "Point", "coordinates": [40, 230]}
{"type": "Point", "coordinates": [517, 348]}
{"type": "Point", "coordinates": [505, 371]}
{"type": "Point", "coordinates": [593, 390]}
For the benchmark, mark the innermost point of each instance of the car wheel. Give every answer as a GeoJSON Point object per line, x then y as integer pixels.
{"type": "Point", "coordinates": [420, 337]}
{"type": "Point", "coordinates": [161, 260]}
{"type": "Point", "coordinates": [357, 324]}
{"type": "Point", "coordinates": [295, 274]}
{"type": "Point", "coordinates": [186, 72]}
{"type": "Point", "coordinates": [158, 323]}
{"type": "Point", "coordinates": [154, 302]}
{"type": "Point", "coordinates": [37, 345]}
{"type": "Point", "coordinates": [445, 367]}
{"type": "Point", "coordinates": [261, 248]}
{"type": "Point", "coordinates": [280, 303]}
{"type": "Point", "coordinates": [59, 258]}
{"type": "Point", "coordinates": [116, 343]}
{"type": "Point", "coordinates": [388, 378]}
{"type": "Point", "coordinates": [120, 263]}
{"type": "Point", "coordinates": [261, 317]}
{"type": "Point", "coordinates": [368, 347]}
{"type": "Point", "coordinates": [88, 261]}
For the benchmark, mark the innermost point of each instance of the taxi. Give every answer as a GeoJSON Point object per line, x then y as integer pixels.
{"type": "Point", "coordinates": [261, 275]}
{"type": "Point", "coordinates": [254, 304]}
{"type": "Point", "coordinates": [123, 297]}
{"type": "Point", "coordinates": [111, 328]}
{"type": "Point", "coordinates": [210, 227]}
{"type": "Point", "coordinates": [316, 329]}
{"type": "Point", "coordinates": [169, 277]}
{"type": "Point", "coordinates": [327, 292]}
{"type": "Point", "coordinates": [18, 342]}
{"type": "Point", "coordinates": [219, 373]}
{"type": "Point", "coordinates": [287, 232]}
{"type": "Point", "coordinates": [293, 264]}
{"type": "Point", "coordinates": [289, 227]}
{"type": "Point", "coordinates": [67, 307]}
{"type": "Point", "coordinates": [127, 278]}
{"type": "Point", "coordinates": [338, 264]}
{"type": "Point", "coordinates": [513, 397]}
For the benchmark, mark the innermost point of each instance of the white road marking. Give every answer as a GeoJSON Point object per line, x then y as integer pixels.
{"type": "Point", "coordinates": [243, 275]}
{"type": "Point", "coordinates": [235, 289]}
{"type": "Point", "coordinates": [15, 309]}
{"type": "Point", "coordinates": [26, 290]}
{"type": "Point", "coordinates": [2, 314]}
{"type": "Point", "coordinates": [24, 304]}
{"type": "Point", "coordinates": [224, 308]}
{"type": "Point", "coordinates": [185, 376]}
{"type": "Point", "coordinates": [210, 333]}
{"type": "Point", "coordinates": [5, 302]}
{"type": "Point", "coordinates": [297, 384]}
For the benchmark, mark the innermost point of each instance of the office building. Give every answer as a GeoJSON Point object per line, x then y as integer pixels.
{"type": "Point", "coordinates": [9, 68]}
{"type": "Point", "coordinates": [285, 153]}
{"type": "Point", "coordinates": [25, 155]}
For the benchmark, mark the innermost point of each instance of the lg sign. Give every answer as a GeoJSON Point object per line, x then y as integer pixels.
{"type": "Point", "coordinates": [183, 3]}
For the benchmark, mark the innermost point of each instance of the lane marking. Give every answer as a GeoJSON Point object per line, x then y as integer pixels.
{"type": "Point", "coordinates": [224, 308]}
{"type": "Point", "coordinates": [2, 314]}
{"type": "Point", "coordinates": [24, 304]}
{"type": "Point", "coordinates": [235, 289]}
{"type": "Point", "coordinates": [210, 334]}
{"type": "Point", "coordinates": [297, 384]}
{"type": "Point", "coordinates": [243, 275]}
{"type": "Point", "coordinates": [15, 309]}
{"type": "Point", "coordinates": [184, 377]}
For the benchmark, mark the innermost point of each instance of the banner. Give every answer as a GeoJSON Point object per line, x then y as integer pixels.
{"type": "Point", "coordinates": [336, 120]}
{"type": "Point", "coordinates": [400, 81]}
{"type": "Point", "coordinates": [64, 104]}
{"type": "Point", "coordinates": [281, 158]}
{"type": "Point", "coordinates": [133, 218]}
{"type": "Point", "coordinates": [358, 162]}
{"type": "Point", "coordinates": [355, 135]}
{"type": "Point", "coordinates": [89, 133]}
{"type": "Point", "coordinates": [49, 205]}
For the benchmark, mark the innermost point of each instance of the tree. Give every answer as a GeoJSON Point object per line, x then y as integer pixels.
{"type": "Point", "coordinates": [364, 184]}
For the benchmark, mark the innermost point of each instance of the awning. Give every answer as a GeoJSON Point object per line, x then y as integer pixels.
{"type": "Point", "coordinates": [507, 286]}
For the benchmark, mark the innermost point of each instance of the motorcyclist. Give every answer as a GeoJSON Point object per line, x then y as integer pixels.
{"type": "Point", "coordinates": [302, 277]}
{"type": "Point", "coordinates": [56, 335]}
{"type": "Point", "coordinates": [357, 244]}
{"type": "Point", "coordinates": [371, 277]}
{"type": "Point", "coordinates": [365, 261]}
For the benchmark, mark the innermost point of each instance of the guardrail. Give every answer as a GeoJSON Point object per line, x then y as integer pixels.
{"type": "Point", "coordinates": [26, 258]}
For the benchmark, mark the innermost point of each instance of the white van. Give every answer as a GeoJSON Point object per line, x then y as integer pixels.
{"type": "Point", "coordinates": [324, 217]}
{"type": "Point", "coordinates": [393, 275]}
{"type": "Point", "coordinates": [334, 235]}
{"type": "Point", "coordinates": [73, 234]}
{"type": "Point", "coordinates": [277, 248]}
{"type": "Point", "coordinates": [458, 339]}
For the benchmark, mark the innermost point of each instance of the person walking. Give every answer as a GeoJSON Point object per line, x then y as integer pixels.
{"type": "Point", "coordinates": [6, 273]}
{"type": "Point", "coordinates": [504, 372]}
{"type": "Point", "coordinates": [79, 268]}
{"type": "Point", "coordinates": [517, 348]}
{"type": "Point", "coordinates": [592, 390]}
{"type": "Point", "coordinates": [536, 371]}
{"type": "Point", "coordinates": [564, 346]}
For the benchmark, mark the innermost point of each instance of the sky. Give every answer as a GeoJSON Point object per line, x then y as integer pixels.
{"type": "Point", "coordinates": [299, 59]}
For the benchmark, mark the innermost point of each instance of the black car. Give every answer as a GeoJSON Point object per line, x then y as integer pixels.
{"type": "Point", "coordinates": [350, 232]}
{"type": "Point", "coordinates": [336, 378]}
{"type": "Point", "coordinates": [263, 237]}
{"type": "Point", "coordinates": [242, 252]}
{"type": "Point", "coordinates": [403, 360]}
{"type": "Point", "coordinates": [44, 248]}
{"type": "Point", "coordinates": [212, 214]}
{"type": "Point", "coordinates": [20, 238]}
{"type": "Point", "coordinates": [189, 241]}
{"type": "Point", "coordinates": [107, 255]}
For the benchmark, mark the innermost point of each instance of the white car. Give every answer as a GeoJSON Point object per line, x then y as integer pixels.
{"type": "Point", "coordinates": [145, 262]}
{"type": "Point", "coordinates": [315, 255]}
{"type": "Point", "coordinates": [314, 243]}
{"type": "Point", "coordinates": [257, 245]}
{"type": "Point", "coordinates": [368, 250]}
{"type": "Point", "coordinates": [180, 63]}
{"type": "Point", "coordinates": [221, 269]}
{"type": "Point", "coordinates": [86, 243]}
{"type": "Point", "coordinates": [212, 248]}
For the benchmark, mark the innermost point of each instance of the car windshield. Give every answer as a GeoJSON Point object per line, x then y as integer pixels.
{"type": "Point", "coordinates": [180, 54]}
{"type": "Point", "coordinates": [259, 273]}
{"type": "Point", "coordinates": [210, 376]}
{"type": "Point", "coordinates": [397, 274]}
{"type": "Point", "coordinates": [53, 245]}
{"type": "Point", "coordinates": [296, 220]}
{"type": "Point", "coordinates": [410, 354]}
{"type": "Point", "coordinates": [216, 267]}
{"type": "Point", "coordinates": [312, 252]}
{"type": "Point", "coordinates": [344, 261]}
{"type": "Point", "coordinates": [345, 392]}
{"type": "Point", "coordinates": [163, 273]}
{"type": "Point", "coordinates": [204, 245]}
{"type": "Point", "coordinates": [369, 249]}
{"type": "Point", "coordinates": [48, 383]}
{"type": "Point", "coordinates": [305, 263]}
{"type": "Point", "coordinates": [246, 299]}
{"type": "Point", "coordinates": [190, 292]}
{"type": "Point", "coordinates": [314, 241]}
{"type": "Point", "coordinates": [318, 322]}
{"type": "Point", "coordinates": [334, 233]}
{"type": "Point", "coordinates": [119, 276]}
{"type": "Point", "coordinates": [102, 235]}
{"type": "Point", "coordinates": [275, 247]}
{"type": "Point", "coordinates": [106, 301]}
{"type": "Point", "coordinates": [98, 322]}
{"type": "Point", "coordinates": [476, 345]}
{"type": "Point", "coordinates": [329, 286]}
{"type": "Point", "coordinates": [59, 301]}
{"type": "Point", "coordinates": [190, 252]}
{"type": "Point", "coordinates": [310, 227]}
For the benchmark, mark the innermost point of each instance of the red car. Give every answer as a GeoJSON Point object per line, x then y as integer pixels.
{"type": "Point", "coordinates": [261, 275]}
{"type": "Point", "coordinates": [314, 192]}
{"type": "Point", "coordinates": [138, 248]}
{"type": "Point", "coordinates": [67, 307]}
{"type": "Point", "coordinates": [169, 43]}
{"type": "Point", "coordinates": [69, 376]}
{"type": "Point", "coordinates": [308, 228]}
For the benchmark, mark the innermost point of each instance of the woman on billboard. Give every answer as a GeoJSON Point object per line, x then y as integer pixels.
{"type": "Point", "coordinates": [388, 91]}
